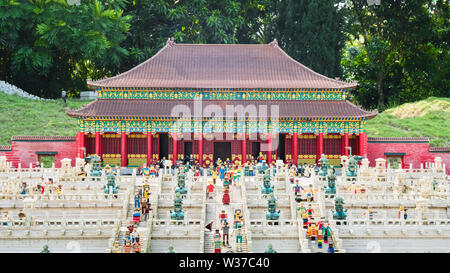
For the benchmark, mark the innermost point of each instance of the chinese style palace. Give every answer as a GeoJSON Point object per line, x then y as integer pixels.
{"type": "Point", "coordinates": [131, 122]}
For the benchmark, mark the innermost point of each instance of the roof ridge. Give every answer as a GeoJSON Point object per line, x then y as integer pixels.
{"type": "Point", "coordinates": [91, 83]}
{"type": "Point", "coordinates": [309, 69]}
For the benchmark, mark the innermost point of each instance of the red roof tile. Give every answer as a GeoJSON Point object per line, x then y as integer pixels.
{"type": "Point", "coordinates": [5, 148]}
{"type": "Point", "coordinates": [398, 139]}
{"type": "Point", "coordinates": [439, 149]}
{"type": "Point", "coordinates": [221, 66]}
{"type": "Point", "coordinates": [43, 138]}
{"type": "Point", "coordinates": [163, 108]}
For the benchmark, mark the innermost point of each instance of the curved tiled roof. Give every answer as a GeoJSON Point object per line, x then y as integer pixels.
{"type": "Point", "coordinates": [398, 139]}
{"type": "Point", "coordinates": [43, 138]}
{"type": "Point", "coordinates": [439, 149]}
{"type": "Point", "coordinates": [163, 108]}
{"type": "Point", "coordinates": [221, 66]}
{"type": "Point", "coordinates": [5, 148]}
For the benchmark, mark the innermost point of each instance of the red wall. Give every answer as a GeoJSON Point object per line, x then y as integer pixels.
{"type": "Point", "coordinates": [25, 152]}
{"type": "Point", "coordinates": [415, 153]}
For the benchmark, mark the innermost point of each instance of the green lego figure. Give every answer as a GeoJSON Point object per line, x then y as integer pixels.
{"type": "Point", "coordinates": [270, 249]}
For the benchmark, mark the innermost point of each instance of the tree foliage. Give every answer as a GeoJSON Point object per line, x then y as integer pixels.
{"type": "Point", "coordinates": [398, 51]}
{"type": "Point", "coordinates": [310, 31]}
{"type": "Point", "coordinates": [47, 46]}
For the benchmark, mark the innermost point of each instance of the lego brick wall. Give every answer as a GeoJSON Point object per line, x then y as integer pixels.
{"type": "Point", "coordinates": [415, 153]}
{"type": "Point", "coordinates": [25, 151]}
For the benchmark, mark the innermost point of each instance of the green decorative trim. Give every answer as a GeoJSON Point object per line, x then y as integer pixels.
{"type": "Point", "coordinates": [223, 93]}
{"type": "Point", "coordinates": [251, 125]}
{"type": "Point", "coordinates": [388, 154]}
{"type": "Point", "coordinates": [46, 153]}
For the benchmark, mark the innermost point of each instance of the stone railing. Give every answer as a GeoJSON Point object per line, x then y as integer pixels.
{"type": "Point", "coordinates": [177, 228]}
{"type": "Point", "coordinates": [392, 223]}
{"type": "Point", "coordinates": [66, 227]}
{"type": "Point", "coordinates": [246, 216]}
{"type": "Point", "coordinates": [258, 200]}
{"type": "Point", "coordinates": [115, 233]}
{"type": "Point", "coordinates": [204, 181]}
{"type": "Point", "coordinates": [191, 199]}
{"type": "Point", "coordinates": [153, 214]}
{"type": "Point", "coordinates": [65, 196]}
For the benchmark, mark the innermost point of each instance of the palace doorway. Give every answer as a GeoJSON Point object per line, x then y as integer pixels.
{"type": "Point", "coordinates": [222, 150]}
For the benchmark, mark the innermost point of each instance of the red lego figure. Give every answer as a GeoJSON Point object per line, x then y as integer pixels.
{"type": "Point", "coordinates": [226, 198]}
{"type": "Point", "coordinates": [222, 216]}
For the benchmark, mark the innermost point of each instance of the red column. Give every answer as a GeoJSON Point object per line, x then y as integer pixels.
{"type": "Point", "coordinates": [149, 148]}
{"type": "Point", "coordinates": [174, 149]}
{"type": "Point", "coordinates": [269, 149]}
{"type": "Point", "coordinates": [294, 148]}
{"type": "Point", "coordinates": [97, 144]}
{"type": "Point", "coordinates": [244, 148]}
{"type": "Point", "coordinates": [123, 150]}
{"type": "Point", "coordinates": [363, 144]}
{"type": "Point", "coordinates": [82, 145]}
{"type": "Point", "coordinates": [346, 151]}
{"type": "Point", "coordinates": [319, 146]}
{"type": "Point", "coordinates": [200, 149]}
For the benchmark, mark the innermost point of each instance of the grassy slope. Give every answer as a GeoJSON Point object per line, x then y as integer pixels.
{"type": "Point", "coordinates": [29, 117]}
{"type": "Point", "coordinates": [425, 118]}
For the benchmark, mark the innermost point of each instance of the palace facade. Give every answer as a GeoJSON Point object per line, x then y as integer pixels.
{"type": "Point", "coordinates": [178, 102]}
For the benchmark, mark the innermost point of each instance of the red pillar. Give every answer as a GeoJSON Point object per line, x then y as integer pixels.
{"type": "Point", "coordinates": [81, 145]}
{"type": "Point", "coordinates": [294, 148]}
{"type": "Point", "coordinates": [123, 150]}
{"type": "Point", "coordinates": [244, 148]}
{"type": "Point", "coordinates": [149, 148]}
{"type": "Point", "coordinates": [319, 146]}
{"type": "Point", "coordinates": [98, 144]}
{"type": "Point", "coordinates": [269, 149]}
{"type": "Point", "coordinates": [363, 144]}
{"type": "Point", "coordinates": [346, 151]}
{"type": "Point", "coordinates": [174, 149]}
{"type": "Point", "coordinates": [200, 149]}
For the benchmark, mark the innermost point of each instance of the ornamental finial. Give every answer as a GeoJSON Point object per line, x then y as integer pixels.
{"type": "Point", "coordinates": [274, 43]}
{"type": "Point", "coordinates": [170, 41]}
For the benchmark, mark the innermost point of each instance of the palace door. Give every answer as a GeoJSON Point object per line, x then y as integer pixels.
{"type": "Point", "coordinates": [222, 150]}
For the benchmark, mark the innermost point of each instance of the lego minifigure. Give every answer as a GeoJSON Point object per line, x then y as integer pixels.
{"type": "Point", "coordinates": [137, 246]}
{"type": "Point", "coordinates": [239, 236]}
{"type": "Point", "coordinates": [217, 244]}
{"type": "Point", "coordinates": [305, 220]}
{"type": "Point", "coordinates": [330, 248]}
{"type": "Point", "coordinates": [230, 250]}
{"type": "Point", "coordinates": [319, 238]}
{"type": "Point", "coordinates": [137, 215]}
{"type": "Point", "coordinates": [226, 198]}
{"type": "Point", "coordinates": [5, 218]}
{"type": "Point", "coordinates": [225, 230]}
{"type": "Point", "coordinates": [310, 211]}
{"type": "Point", "coordinates": [326, 231]}
{"type": "Point", "coordinates": [170, 250]}
{"type": "Point", "coordinates": [222, 216]}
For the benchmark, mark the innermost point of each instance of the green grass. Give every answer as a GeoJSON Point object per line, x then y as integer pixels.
{"type": "Point", "coordinates": [27, 117]}
{"type": "Point", "coordinates": [426, 118]}
{"type": "Point", "coordinates": [20, 116]}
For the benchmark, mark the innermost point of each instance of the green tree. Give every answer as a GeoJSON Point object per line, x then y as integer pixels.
{"type": "Point", "coordinates": [310, 31]}
{"type": "Point", "coordinates": [47, 46]}
{"type": "Point", "coordinates": [398, 51]}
